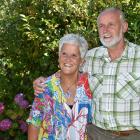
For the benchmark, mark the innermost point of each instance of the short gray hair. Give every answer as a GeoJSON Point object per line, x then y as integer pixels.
{"type": "Point", "coordinates": [112, 9]}
{"type": "Point", "coordinates": [74, 39]}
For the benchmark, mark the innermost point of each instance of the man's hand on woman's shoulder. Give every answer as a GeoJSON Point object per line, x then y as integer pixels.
{"type": "Point", "coordinates": [39, 85]}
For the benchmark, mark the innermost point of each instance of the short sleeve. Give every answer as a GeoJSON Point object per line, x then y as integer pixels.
{"type": "Point", "coordinates": [36, 113]}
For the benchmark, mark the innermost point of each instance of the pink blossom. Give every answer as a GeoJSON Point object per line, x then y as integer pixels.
{"type": "Point", "coordinates": [2, 107]}
{"type": "Point", "coordinates": [5, 124]}
{"type": "Point", "coordinates": [23, 126]}
{"type": "Point", "coordinates": [24, 104]}
{"type": "Point", "coordinates": [18, 98]}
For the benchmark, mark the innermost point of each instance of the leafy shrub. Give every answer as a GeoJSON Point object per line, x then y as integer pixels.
{"type": "Point", "coordinates": [29, 34]}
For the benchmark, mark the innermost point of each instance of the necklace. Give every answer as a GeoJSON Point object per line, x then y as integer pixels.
{"type": "Point", "coordinates": [69, 90]}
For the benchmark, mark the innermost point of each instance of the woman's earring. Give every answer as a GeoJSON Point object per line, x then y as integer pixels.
{"type": "Point", "coordinates": [58, 66]}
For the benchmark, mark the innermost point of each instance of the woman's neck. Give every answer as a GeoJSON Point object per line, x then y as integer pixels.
{"type": "Point", "coordinates": [68, 78]}
{"type": "Point", "coordinates": [69, 85]}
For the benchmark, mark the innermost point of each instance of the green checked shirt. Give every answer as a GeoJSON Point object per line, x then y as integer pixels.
{"type": "Point", "coordinates": [116, 88]}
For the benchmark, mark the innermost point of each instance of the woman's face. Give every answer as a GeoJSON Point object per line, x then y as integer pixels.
{"type": "Point", "coordinates": [70, 59]}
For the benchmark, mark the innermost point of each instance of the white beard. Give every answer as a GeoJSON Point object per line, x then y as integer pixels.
{"type": "Point", "coordinates": [113, 42]}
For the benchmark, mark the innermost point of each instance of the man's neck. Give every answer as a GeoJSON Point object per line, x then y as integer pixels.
{"type": "Point", "coordinates": [116, 52]}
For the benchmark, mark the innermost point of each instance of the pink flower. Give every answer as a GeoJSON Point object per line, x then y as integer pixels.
{"type": "Point", "coordinates": [24, 104]}
{"type": "Point", "coordinates": [1, 108]}
{"type": "Point", "coordinates": [5, 124]}
{"type": "Point", "coordinates": [23, 126]}
{"type": "Point", "coordinates": [18, 98]}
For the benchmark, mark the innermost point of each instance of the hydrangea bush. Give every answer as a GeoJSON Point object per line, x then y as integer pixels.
{"type": "Point", "coordinates": [29, 34]}
{"type": "Point", "coordinates": [15, 123]}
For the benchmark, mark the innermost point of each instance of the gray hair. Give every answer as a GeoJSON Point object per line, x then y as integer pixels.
{"type": "Point", "coordinates": [113, 9]}
{"type": "Point", "coordinates": [74, 39]}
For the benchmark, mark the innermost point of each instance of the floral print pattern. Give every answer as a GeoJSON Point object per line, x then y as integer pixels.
{"type": "Point", "coordinates": [54, 118]}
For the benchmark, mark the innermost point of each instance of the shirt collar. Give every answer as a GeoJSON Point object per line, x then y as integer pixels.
{"type": "Point", "coordinates": [127, 53]}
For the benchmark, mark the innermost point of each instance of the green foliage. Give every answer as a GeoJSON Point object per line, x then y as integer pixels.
{"type": "Point", "coordinates": [29, 34]}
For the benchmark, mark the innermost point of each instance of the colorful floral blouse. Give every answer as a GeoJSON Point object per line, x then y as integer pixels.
{"type": "Point", "coordinates": [54, 118]}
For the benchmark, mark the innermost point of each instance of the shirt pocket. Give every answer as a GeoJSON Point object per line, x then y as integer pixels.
{"type": "Point", "coordinates": [96, 84]}
{"type": "Point", "coordinates": [128, 86]}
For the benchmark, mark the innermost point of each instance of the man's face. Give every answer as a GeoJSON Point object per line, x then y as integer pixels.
{"type": "Point", "coordinates": [110, 29]}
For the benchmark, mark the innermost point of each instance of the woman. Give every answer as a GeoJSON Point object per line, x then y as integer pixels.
{"type": "Point", "coordinates": [62, 111]}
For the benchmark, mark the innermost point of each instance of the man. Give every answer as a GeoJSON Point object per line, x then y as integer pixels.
{"type": "Point", "coordinates": [114, 78]}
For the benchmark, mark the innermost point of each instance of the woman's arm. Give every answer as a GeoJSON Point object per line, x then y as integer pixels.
{"type": "Point", "coordinates": [32, 132]}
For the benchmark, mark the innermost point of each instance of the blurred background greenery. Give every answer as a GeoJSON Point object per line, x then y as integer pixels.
{"type": "Point", "coordinates": [29, 34]}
